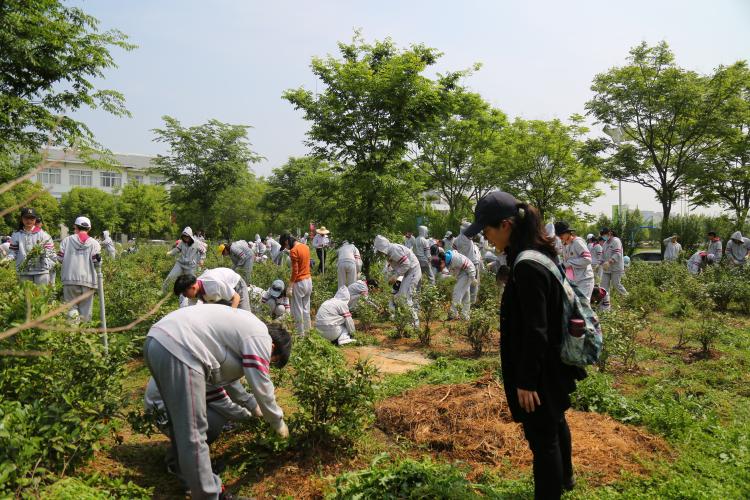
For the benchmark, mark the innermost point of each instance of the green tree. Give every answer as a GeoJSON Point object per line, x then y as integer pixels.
{"type": "Point", "coordinates": [99, 206]}
{"type": "Point", "coordinates": [51, 54]}
{"type": "Point", "coordinates": [145, 210]}
{"type": "Point", "coordinates": [203, 161]}
{"type": "Point", "coordinates": [43, 202]}
{"type": "Point", "coordinates": [538, 161]}
{"type": "Point", "coordinates": [375, 102]}
{"type": "Point", "coordinates": [238, 208]}
{"type": "Point", "coordinates": [301, 191]}
{"type": "Point", "coordinates": [453, 152]}
{"type": "Point", "coordinates": [668, 116]}
{"type": "Point", "coordinates": [724, 176]}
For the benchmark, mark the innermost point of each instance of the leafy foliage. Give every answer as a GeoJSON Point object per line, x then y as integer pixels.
{"type": "Point", "coordinates": [99, 206]}
{"type": "Point", "coordinates": [430, 305]}
{"type": "Point", "coordinates": [203, 161]}
{"type": "Point", "coordinates": [51, 56]}
{"type": "Point", "coordinates": [335, 401]}
{"type": "Point", "coordinates": [478, 330]}
{"type": "Point", "coordinates": [407, 479]}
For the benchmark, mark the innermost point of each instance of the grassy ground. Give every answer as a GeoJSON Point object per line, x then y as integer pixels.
{"type": "Point", "coordinates": [699, 406]}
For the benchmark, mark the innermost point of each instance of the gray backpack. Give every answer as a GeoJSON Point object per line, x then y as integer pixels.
{"type": "Point", "coordinates": [576, 351]}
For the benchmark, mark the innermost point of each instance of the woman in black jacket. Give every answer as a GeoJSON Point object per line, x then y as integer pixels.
{"type": "Point", "coordinates": [537, 383]}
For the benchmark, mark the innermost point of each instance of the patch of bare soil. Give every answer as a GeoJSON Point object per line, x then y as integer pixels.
{"type": "Point", "coordinates": [471, 422]}
{"type": "Point", "coordinates": [388, 361]}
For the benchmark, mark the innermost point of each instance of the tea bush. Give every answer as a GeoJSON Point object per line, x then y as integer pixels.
{"type": "Point", "coordinates": [335, 401]}
{"type": "Point", "coordinates": [619, 328]}
{"type": "Point", "coordinates": [405, 479]}
{"type": "Point", "coordinates": [430, 305]}
{"type": "Point", "coordinates": [478, 330]}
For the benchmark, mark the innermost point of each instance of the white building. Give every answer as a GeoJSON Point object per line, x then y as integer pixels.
{"type": "Point", "coordinates": [67, 171]}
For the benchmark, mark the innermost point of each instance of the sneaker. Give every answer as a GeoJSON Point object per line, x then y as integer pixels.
{"type": "Point", "coordinates": [345, 341]}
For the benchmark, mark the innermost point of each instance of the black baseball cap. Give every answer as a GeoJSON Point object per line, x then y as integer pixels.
{"type": "Point", "coordinates": [28, 212]}
{"type": "Point", "coordinates": [496, 206]}
{"type": "Point", "coordinates": [604, 230]}
{"type": "Point", "coordinates": [562, 227]}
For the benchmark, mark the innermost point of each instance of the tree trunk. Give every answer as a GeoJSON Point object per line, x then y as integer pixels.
{"type": "Point", "coordinates": [666, 209]}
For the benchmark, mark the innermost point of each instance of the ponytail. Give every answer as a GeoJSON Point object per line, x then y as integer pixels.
{"type": "Point", "coordinates": [528, 233]}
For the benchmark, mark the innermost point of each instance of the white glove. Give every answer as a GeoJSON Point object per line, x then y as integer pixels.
{"type": "Point", "coordinates": [605, 266]}
{"type": "Point", "coordinates": [281, 429]}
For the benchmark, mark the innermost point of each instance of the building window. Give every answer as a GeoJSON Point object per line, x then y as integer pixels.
{"type": "Point", "coordinates": [50, 176]}
{"type": "Point", "coordinates": [135, 177]}
{"type": "Point", "coordinates": [156, 180]}
{"type": "Point", "coordinates": [111, 179]}
{"type": "Point", "coordinates": [81, 178]}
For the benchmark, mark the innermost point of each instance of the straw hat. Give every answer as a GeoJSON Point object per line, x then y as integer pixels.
{"type": "Point", "coordinates": [322, 230]}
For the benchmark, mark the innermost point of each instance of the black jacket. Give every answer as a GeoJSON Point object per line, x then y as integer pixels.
{"type": "Point", "coordinates": [531, 315]}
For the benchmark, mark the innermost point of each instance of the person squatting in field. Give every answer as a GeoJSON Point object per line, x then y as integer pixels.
{"type": "Point", "coordinates": [276, 300]}
{"type": "Point", "coordinates": [79, 254]}
{"type": "Point", "coordinates": [334, 319]}
{"type": "Point", "coordinates": [209, 344]}
{"type": "Point", "coordinates": [537, 383]}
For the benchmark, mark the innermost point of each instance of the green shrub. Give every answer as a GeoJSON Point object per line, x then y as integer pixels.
{"type": "Point", "coordinates": [335, 401]}
{"type": "Point", "coordinates": [94, 488]}
{"type": "Point", "coordinates": [644, 299]}
{"type": "Point", "coordinates": [403, 321]}
{"type": "Point", "coordinates": [430, 305]}
{"type": "Point", "coordinates": [595, 393]}
{"type": "Point", "coordinates": [478, 330]}
{"type": "Point", "coordinates": [405, 479]}
{"type": "Point", "coordinates": [619, 328]}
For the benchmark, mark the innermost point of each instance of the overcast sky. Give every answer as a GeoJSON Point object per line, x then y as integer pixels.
{"type": "Point", "coordinates": [231, 60]}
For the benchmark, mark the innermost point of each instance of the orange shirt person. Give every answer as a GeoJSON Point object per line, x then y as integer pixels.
{"type": "Point", "coordinates": [301, 282]}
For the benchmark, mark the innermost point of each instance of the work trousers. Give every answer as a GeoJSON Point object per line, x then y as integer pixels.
{"type": "Point", "coordinates": [406, 292]}
{"type": "Point", "coordinates": [177, 271]}
{"type": "Point", "coordinates": [37, 279]}
{"type": "Point", "coordinates": [611, 280]}
{"type": "Point", "coordinates": [474, 288]}
{"type": "Point", "coordinates": [301, 292]}
{"type": "Point", "coordinates": [553, 466]}
{"type": "Point", "coordinates": [347, 272]}
{"type": "Point", "coordinates": [321, 259]}
{"type": "Point", "coordinates": [586, 286]}
{"type": "Point", "coordinates": [461, 300]}
{"type": "Point", "coordinates": [427, 271]}
{"type": "Point", "coordinates": [246, 270]}
{"type": "Point", "coordinates": [81, 310]}
{"type": "Point", "coordinates": [184, 393]}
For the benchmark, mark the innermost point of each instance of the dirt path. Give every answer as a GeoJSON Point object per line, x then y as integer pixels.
{"type": "Point", "coordinates": [388, 361]}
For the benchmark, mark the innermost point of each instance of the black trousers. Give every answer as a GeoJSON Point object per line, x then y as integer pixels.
{"type": "Point", "coordinates": [319, 252]}
{"type": "Point", "coordinates": [549, 441]}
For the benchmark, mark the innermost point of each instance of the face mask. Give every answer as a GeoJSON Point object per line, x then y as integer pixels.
{"type": "Point", "coordinates": [605, 238]}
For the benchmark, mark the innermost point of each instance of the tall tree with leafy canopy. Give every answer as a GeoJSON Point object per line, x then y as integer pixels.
{"type": "Point", "coordinates": [203, 162]}
{"type": "Point", "coordinates": [540, 162]}
{"type": "Point", "coordinates": [375, 101]}
{"type": "Point", "coordinates": [51, 54]}
{"type": "Point", "coordinates": [301, 191]}
{"type": "Point", "coordinates": [145, 210]}
{"type": "Point", "coordinates": [99, 206]}
{"type": "Point", "coordinates": [724, 174]}
{"type": "Point", "coordinates": [453, 153]}
{"type": "Point", "coordinates": [668, 116]}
